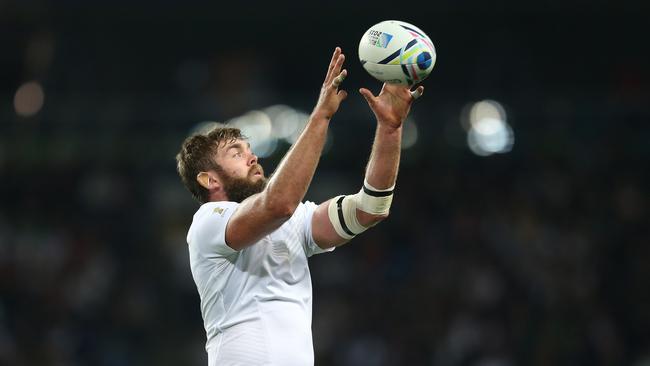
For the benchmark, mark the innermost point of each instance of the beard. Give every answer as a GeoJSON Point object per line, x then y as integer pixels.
{"type": "Point", "coordinates": [238, 189]}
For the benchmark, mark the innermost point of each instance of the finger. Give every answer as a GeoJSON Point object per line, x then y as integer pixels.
{"type": "Point", "coordinates": [336, 70]}
{"type": "Point", "coordinates": [342, 95]}
{"type": "Point", "coordinates": [368, 95]}
{"type": "Point", "coordinates": [415, 94]}
{"type": "Point", "coordinates": [339, 79]}
{"type": "Point", "coordinates": [335, 57]}
{"type": "Point", "coordinates": [339, 64]}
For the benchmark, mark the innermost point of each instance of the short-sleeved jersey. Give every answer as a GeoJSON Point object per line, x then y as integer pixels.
{"type": "Point", "coordinates": [256, 303]}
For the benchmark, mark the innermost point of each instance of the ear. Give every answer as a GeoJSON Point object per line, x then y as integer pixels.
{"type": "Point", "coordinates": [208, 180]}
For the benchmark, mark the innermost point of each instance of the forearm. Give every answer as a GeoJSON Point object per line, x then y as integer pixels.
{"type": "Point", "coordinates": [290, 181]}
{"type": "Point", "coordinates": [262, 213]}
{"type": "Point", "coordinates": [382, 168]}
{"type": "Point", "coordinates": [340, 219]}
{"type": "Point", "coordinates": [383, 164]}
{"type": "Point", "coordinates": [293, 176]}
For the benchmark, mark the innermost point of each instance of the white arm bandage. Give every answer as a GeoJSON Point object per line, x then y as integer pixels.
{"type": "Point", "coordinates": [375, 201]}
{"type": "Point", "coordinates": [342, 210]}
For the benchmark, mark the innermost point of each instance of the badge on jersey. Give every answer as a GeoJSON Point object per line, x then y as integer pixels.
{"type": "Point", "coordinates": [220, 210]}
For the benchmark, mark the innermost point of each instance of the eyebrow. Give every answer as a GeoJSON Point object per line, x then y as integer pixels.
{"type": "Point", "coordinates": [238, 145]}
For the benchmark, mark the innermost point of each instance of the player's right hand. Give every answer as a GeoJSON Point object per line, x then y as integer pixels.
{"type": "Point", "coordinates": [330, 96]}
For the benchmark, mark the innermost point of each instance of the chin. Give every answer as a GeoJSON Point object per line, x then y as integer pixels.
{"type": "Point", "coordinates": [238, 189]}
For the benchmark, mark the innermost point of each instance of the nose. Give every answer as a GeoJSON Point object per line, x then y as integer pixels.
{"type": "Point", "coordinates": [252, 160]}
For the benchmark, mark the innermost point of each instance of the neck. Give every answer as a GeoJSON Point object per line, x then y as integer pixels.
{"type": "Point", "coordinates": [217, 195]}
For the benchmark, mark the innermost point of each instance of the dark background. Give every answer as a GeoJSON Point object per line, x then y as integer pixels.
{"type": "Point", "coordinates": [537, 256]}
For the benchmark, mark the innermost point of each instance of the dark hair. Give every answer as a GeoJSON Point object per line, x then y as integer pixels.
{"type": "Point", "coordinates": [197, 155]}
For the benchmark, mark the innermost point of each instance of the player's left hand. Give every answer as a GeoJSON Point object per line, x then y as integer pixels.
{"type": "Point", "coordinates": [392, 105]}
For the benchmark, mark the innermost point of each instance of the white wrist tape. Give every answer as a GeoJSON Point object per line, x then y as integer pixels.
{"type": "Point", "coordinates": [342, 212]}
{"type": "Point", "coordinates": [375, 201]}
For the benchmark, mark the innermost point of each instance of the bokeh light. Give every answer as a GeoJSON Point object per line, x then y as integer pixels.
{"type": "Point", "coordinates": [487, 130]}
{"type": "Point", "coordinates": [285, 120]}
{"type": "Point", "coordinates": [267, 127]}
{"type": "Point", "coordinates": [409, 134]}
{"type": "Point", "coordinates": [256, 125]}
{"type": "Point", "coordinates": [29, 99]}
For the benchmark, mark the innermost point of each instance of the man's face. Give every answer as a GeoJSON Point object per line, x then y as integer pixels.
{"type": "Point", "coordinates": [241, 175]}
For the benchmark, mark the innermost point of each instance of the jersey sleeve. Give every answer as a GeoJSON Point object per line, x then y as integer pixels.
{"type": "Point", "coordinates": [208, 231]}
{"type": "Point", "coordinates": [310, 245]}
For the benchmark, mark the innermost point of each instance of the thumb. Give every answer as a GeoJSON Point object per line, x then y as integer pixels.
{"type": "Point", "coordinates": [415, 94]}
{"type": "Point", "coordinates": [368, 95]}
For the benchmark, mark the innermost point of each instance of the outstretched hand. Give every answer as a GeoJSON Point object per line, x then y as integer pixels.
{"type": "Point", "coordinates": [330, 96]}
{"type": "Point", "coordinates": [392, 105]}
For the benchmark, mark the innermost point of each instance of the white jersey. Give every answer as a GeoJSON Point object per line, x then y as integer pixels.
{"type": "Point", "coordinates": [256, 302]}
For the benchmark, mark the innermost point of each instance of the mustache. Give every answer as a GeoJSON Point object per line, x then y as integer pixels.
{"type": "Point", "coordinates": [256, 169]}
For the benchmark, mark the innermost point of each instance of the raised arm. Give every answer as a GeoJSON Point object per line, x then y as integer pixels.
{"type": "Point", "coordinates": [264, 212]}
{"type": "Point", "coordinates": [355, 213]}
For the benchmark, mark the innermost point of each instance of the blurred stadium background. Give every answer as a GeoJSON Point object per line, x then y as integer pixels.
{"type": "Point", "coordinates": [519, 233]}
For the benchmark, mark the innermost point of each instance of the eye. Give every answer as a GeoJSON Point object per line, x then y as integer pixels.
{"type": "Point", "coordinates": [237, 155]}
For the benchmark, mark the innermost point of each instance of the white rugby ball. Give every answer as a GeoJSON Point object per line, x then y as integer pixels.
{"type": "Point", "coordinates": [397, 52]}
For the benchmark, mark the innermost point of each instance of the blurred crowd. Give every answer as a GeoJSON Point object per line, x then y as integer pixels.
{"type": "Point", "coordinates": [504, 260]}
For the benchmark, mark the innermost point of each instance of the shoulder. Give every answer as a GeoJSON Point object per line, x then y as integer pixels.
{"type": "Point", "coordinates": [302, 216]}
{"type": "Point", "coordinates": [207, 232]}
{"type": "Point", "coordinates": [304, 211]}
{"type": "Point", "coordinates": [306, 207]}
{"type": "Point", "coordinates": [219, 208]}
{"type": "Point", "coordinates": [210, 218]}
